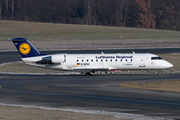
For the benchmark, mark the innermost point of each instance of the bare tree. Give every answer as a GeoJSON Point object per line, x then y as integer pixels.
{"type": "Point", "coordinates": [12, 7]}
{"type": "Point", "coordinates": [177, 14]}
{"type": "Point", "coordinates": [168, 19]}
{"type": "Point", "coordinates": [7, 3]}
{"type": "Point", "coordinates": [0, 8]}
{"type": "Point", "coordinates": [146, 18]}
{"type": "Point", "coordinates": [88, 5]}
{"type": "Point", "coordinates": [6, 12]}
{"type": "Point", "coordinates": [121, 12]}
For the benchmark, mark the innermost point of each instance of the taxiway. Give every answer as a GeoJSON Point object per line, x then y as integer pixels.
{"type": "Point", "coordinates": [98, 92]}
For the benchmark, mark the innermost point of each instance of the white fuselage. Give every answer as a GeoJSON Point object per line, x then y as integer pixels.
{"type": "Point", "coordinates": [99, 62]}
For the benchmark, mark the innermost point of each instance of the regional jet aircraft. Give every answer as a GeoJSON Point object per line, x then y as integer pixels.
{"type": "Point", "coordinates": [89, 63]}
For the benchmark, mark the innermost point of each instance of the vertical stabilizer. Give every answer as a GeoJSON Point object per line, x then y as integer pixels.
{"type": "Point", "coordinates": [25, 48]}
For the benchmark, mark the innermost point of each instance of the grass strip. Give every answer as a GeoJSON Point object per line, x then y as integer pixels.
{"type": "Point", "coordinates": [20, 67]}
{"type": "Point", "coordinates": [52, 31]}
{"type": "Point", "coordinates": [20, 113]}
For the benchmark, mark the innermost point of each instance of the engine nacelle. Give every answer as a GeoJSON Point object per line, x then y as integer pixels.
{"type": "Point", "coordinates": [54, 59]}
{"type": "Point", "coordinates": [59, 58]}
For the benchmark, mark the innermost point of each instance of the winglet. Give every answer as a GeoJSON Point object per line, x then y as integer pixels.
{"type": "Point", "coordinates": [25, 48]}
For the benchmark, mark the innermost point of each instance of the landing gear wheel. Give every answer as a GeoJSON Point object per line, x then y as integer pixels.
{"type": "Point", "coordinates": [88, 74]}
{"type": "Point", "coordinates": [159, 74]}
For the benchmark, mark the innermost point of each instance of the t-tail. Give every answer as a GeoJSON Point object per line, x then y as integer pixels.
{"type": "Point", "coordinates": [25, 48]}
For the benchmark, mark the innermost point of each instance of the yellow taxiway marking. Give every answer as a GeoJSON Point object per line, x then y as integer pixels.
{"type": "Point", "coordinates": [7, 89]}
{"type": "Point", "coordinates": [1, 87]}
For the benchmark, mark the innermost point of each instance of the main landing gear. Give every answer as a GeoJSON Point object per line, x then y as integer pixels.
{"type": "Point", "coordinates": [88, 74]}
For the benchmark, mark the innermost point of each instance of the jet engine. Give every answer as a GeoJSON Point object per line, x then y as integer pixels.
{"type": "Point", "coordinates": [54, 59]}
{"type": "Point", "coordinates": [59, 58]}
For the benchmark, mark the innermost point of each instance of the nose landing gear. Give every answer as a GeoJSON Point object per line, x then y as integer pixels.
{"type": "Point", "coordinates": [159, 73]}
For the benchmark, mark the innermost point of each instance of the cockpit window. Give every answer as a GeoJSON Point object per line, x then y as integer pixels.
{"type": "Point", "coordinates": [156, 58]}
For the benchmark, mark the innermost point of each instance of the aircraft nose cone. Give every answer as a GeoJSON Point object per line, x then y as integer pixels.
{"type": "Point", "coordinates": [168, 65]}
{"type": "Point", "coordinates": [171, 65]}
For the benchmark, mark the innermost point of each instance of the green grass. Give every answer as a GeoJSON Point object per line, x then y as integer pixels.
{"type": "Point", "coordinates": [20, 67]}
{"type": "Point", "coordinates": [51, 31]}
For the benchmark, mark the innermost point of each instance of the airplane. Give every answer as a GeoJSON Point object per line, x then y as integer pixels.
{"type": "Point", "coordinates": [89, 63]}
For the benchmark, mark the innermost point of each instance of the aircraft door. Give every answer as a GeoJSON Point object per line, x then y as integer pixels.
{"type": "Point", "coordinates": [64, 58]}
{"type": "Point", "coordinates": [142, 62]}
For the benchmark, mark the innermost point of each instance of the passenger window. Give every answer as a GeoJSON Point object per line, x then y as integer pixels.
{"type": "Point", "coordinates": [92, 60]}
{"type": "Point", "coordinates": [87, 60]}
{"type": "Point", "coordinates": [106, 60]}
{"type": "Point", "coordinates": [77, 60]}
{"type": "Point", "coordinates": [126, 60]}
{"type": "Point", "coordinates": [82, 60]}
{"type": "Point", "coordinates": [101, 60]}
{"type": "Point", "coordinates": [111, 60]}
{"type": "Point", "coordinates": [116, 60]}
{"type": "Point", "coordinates": [96, 60]}
{"type": "Point", "coordinates": [121, 60]}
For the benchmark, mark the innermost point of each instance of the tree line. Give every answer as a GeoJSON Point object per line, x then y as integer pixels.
{"type": "Point", "coordinates": [154, 14]}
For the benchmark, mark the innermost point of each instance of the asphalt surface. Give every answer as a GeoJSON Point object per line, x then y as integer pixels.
{"type": "Point", "coordinates": [98, 92]}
